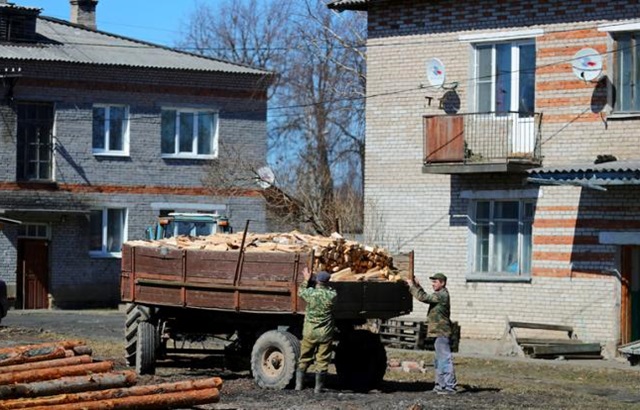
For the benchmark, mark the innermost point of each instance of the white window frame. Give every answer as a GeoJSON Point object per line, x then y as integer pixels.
{"type": "Point", "coordinates": [107, 131]}
{"type": "Point", "coordinates": [473, 274]}
{"type": "Point", "coordinates": [25, 226]}
{"type": "Point", "coordinates": [515, 44]}
{"type": "Point", "coordinates": [194, 150]}
{"type": "Point", "coordinates": [103, 253]}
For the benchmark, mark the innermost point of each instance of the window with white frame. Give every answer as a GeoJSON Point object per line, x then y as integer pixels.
{"type": "Point", "coordinates": [108, 231]}
{"type": "Point", "coordinates": [627, 72]}
{"type": "Point", "coordinates": [505, 77]}
{"type": "Point", "coordinates": [33, 230]}
{"type": "Point", "coordinates": [111, 129]}
{"type": "Point", "coordinates": [501, 238]}
{"type": "Point", "coordinates": [189, 133]}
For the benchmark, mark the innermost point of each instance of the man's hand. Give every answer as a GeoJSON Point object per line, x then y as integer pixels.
{"type": "Point", "coordinates": [306, 273]}
{"type": "Point", "coordinates": [413, 281]}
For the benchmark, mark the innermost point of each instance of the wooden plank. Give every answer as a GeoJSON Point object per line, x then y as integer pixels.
{"type": "Point", "coordinates": [567, 349]}
{"type": "Point", "coordinates": [540, 326]}
{"type": "Point", "coordinates": [533, 341]}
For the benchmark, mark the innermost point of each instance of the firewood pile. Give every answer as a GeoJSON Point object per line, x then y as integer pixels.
{"type": "Point", "coordinates": [64, 376]}
{"type": "Point", "coordinates": [346, 260]}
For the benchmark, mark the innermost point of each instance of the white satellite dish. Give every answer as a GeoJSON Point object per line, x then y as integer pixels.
{"type": "Point", "coordinates": [265, 178]}
{"type": "Point", "coordinates": [435, 72]}
{"type": "Point", "coordinates": [587, 64]}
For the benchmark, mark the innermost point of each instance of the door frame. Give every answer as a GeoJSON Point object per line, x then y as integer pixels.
{"type": "Point", "coordinates": [629, 284]}
{"type": "Point", "coordinates": [32, 233]}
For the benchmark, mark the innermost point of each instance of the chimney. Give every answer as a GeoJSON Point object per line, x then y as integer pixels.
{"type": "Point", "coordinates": [83, 12]}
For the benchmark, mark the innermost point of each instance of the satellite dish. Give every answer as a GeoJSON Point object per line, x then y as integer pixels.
{"type": "Point", "coordinates": [587, 64]}
{"type": "Point", "coordinates": [435, 72]}
{"type": "Point", "coordinates": [265, 178]}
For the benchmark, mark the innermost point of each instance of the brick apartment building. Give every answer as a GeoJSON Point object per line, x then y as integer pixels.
{"type": "Point", "coordinates": [518, 176]}
{"type": "Point", "coordinates": [99, 135]}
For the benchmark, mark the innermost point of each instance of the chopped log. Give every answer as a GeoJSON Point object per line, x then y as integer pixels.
{"type": "Point", "coordinates": [29, 376]}
{"type": "Point", "coordinates": [73, 384]}
{"type": "Point", "coordinates": [340, 274]}
{"type": "Point", "coordinates": [67, 361]}
{"type": "Point", "coordinates": [151, 402]}
{"type": "Point", "coordinates": [33, 354]}
{"type": "Point", "coordinates": [210, 383]}
{"type": "Point", "coordinates": [82, 351]}
{"type": "Point", "coordinates": [37, 352]}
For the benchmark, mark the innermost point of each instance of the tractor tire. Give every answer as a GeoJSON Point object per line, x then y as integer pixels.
{"type": "Point", "coordinates": [135, 314]}
{"type": "Point", "coordinates": [146, 348]}
{"type": "Point", "coordinates": [274, 359]}
{"type": "Point", "coordinates": [361, 361]}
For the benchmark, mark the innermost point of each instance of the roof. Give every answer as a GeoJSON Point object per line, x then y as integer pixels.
{"type": "Point", "coordinates": [13, 6]}
{"type": "Point", "coordinates": [589, 175]}
{"type": "Point", "coordinates": [61, 41]}
{"type": "Point", "coordinates": [341, 5]}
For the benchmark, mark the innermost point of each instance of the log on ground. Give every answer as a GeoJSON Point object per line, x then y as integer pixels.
{"type": "Point", "coordinates": [74, 384]}
{"type": "Point", "coordinates": [148, 402]}
{"type": "Point", "coordinates": [29, 376]}
{"type": "Point", "coordinates": [182, 386]}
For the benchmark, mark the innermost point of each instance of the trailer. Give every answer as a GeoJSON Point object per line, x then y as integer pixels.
{"type": "Point", "coordinates": [252, 299]}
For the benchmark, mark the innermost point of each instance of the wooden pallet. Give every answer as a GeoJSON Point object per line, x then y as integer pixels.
{"type": "Point", "coordinates": [403, 334]}
{"type": "Point", "coordinates": [408, 334]}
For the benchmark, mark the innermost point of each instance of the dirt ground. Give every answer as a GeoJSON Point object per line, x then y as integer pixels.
{"type": "Point", "coordinates": [485, 383]}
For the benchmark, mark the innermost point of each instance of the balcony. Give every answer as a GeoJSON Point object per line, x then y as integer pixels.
{"type": "Point", "coordinates": [482, 142]}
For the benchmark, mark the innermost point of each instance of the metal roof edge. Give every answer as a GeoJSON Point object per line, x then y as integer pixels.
{"type": "Point", "coordinates": [146, 43]}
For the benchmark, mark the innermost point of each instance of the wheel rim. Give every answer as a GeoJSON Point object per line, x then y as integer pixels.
{"type": "Point", "coordinates": [273, 362]}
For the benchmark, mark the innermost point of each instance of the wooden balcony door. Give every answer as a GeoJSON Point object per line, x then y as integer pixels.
{"type": "Point", "coordinates": [630, 297]}
{"type": "Point", "coordinates": [33, 273]}
{"type": "Point", "coordinates": [35, 141]}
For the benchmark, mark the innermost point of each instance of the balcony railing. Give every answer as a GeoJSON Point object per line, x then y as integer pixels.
{"type": "Point", "coordinates": [482, 142]}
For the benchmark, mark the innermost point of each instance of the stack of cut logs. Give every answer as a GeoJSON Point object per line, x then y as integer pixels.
{"type": "Point", "coordinates": [345, 260]}
{"type": "Point", "coordinates": [64, 376]}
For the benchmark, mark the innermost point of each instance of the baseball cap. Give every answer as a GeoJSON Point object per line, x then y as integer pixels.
{"type": "Point", "coordinates": [323, 276]}
{"type": "Point", "coordinates": [439, 276]}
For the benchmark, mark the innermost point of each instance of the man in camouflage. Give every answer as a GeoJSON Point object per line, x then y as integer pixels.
{"type": "Point", "coordinates": [438, 326]}
{"type": "Point", "coordinates": [318, 328]}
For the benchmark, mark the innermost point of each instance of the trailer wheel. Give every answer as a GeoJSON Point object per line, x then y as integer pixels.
{"type": "Point", "coordinates": [135, 314]}
{"type": "Point", "coordinates": [146, 348]}
{"type": "Point", "coordinates": [274, 358]}
{"type": "Point", "coordinates": [360, 360]}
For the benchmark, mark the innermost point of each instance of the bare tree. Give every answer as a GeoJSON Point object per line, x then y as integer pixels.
{"type": "Point", "coordinates": [316, 122]}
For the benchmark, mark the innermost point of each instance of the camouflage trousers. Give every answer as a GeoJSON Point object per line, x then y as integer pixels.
{"type": "Point", "coordinates": [321, 351]}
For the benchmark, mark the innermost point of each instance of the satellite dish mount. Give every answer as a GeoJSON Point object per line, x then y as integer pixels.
{"type": "Point", "coordinates": [587, 65]}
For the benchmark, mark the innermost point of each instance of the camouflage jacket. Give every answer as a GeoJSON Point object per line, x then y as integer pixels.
{"type": "Point", "coordinates": [439, 316]}
{"type": "Point", "coordinates": [319, 324]}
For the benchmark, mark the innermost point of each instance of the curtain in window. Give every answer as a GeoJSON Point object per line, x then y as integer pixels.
{"type": "Point", "coordinates": [168, 137]}
{"type": "Point", "coordinates": [99, 115]}
{"type": "Point", "coordinates": [116, 128]}
{"type": "Point", "coordinates": [205, 133]}
{"type": "Point", "coordinates": [115, 229]}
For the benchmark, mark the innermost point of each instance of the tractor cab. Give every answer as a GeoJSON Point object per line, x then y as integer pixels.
{"type": "Point", "coordinates": [189, 224]}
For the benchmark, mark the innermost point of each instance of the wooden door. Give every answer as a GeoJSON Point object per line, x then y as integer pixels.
{"type": "Point", "coordinates": [630, 297]}
{"type": "Point", "coordinates": [33, 273]}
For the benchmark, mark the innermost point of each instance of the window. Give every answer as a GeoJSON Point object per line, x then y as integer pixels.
{"type": "Point", "coordinates": [627, 72]}
{"type": "Point", "coordinates": [501, 238]}
{"type": "Point", "coordinates": [189, 133]}
{"type": "Point", "coordinates": [111, 129]}
{"type": "Point", "coordinates": [39, 231]}
{"type": "Point", "coordinates": [505, 77]}
{"type": "Point", "coordinates": [108, 229]}
{"type": "Point", "coordinates": [35, 142]}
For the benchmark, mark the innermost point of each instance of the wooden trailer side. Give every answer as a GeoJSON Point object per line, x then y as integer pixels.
{"type": "Point", "coordinates": [247, 282]}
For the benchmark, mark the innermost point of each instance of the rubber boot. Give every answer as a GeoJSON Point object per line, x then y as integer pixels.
{"type": "Point", "coordinates": [299, 379]}
{"type": "Point", "coordinates": [319, 382]}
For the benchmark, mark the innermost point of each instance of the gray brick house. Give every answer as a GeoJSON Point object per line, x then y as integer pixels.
{"type": "Point", "coordinates": [99, 135]}
{"type": "Point", "coordinates": [502, 145]}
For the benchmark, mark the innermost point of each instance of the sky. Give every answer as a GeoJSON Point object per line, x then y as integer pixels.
{"type": "Point", "coordinates": [155, 21]}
